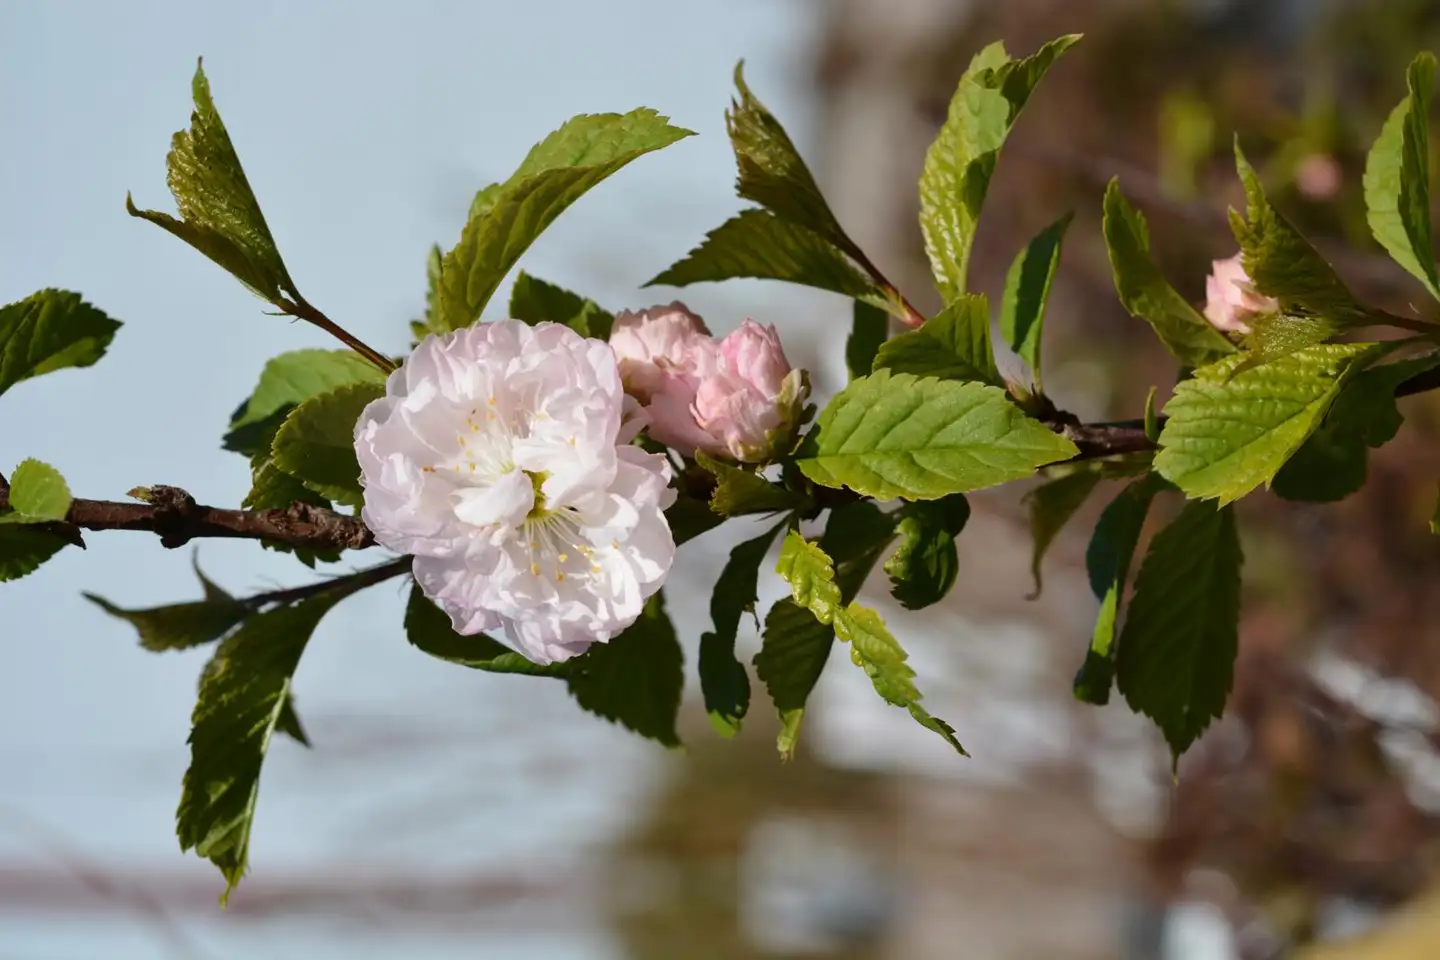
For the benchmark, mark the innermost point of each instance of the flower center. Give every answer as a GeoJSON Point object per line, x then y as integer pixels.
{"type": "Point", "coordinates": [537, 480]}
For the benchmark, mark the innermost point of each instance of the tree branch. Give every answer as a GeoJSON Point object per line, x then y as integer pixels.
{"type": "Point", "coordinates": [177, 518]}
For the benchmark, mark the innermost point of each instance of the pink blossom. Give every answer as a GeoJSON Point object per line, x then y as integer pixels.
{"type": "Point", "coordinates": [1231, 300]}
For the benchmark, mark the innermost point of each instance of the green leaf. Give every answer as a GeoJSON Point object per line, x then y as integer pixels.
{"type": "Point", "coordinates": [689, 518]}
{"type": "Point", "coordinates": [1435, 518]}
{"type": "Point", "coordinates": [24, 549]}
{"type": "Point", "coordinates": [759, 244]}
{"type": "Point", "coordinates": [893, 435]}
{"type": "Point", "coordinates": [857, 534]}
{"type": "Point", "coordinates": [1331, 465]}
{"type": "Point", "coordinates": [1228, 432]}
{"type": "Point", "coordinates": [317, 443]}
{"type": "Point", "coordinates": [428, 629]}
{"type": "Point", "coordinates": [243, 692]}
{"type": "Point", "coordinates": [1177, 651]}
{"type": "Point", "coordinates": [953, 345]}
{"type": "Point", "coordinates": [636, 679]}
{"type": "Point", "coordinates": [38, 494]}
{"type": "Point", "coordinates": [273, 489]}
{"type": "Point", "coordinates": [555, 173]}
{"type": "Point", "coordinates": [771, 171]}
{"type": "Point", "coordinates": [1107, 561]}
{"type": "Point", "coordinates": [430, 324]}
{"type": "Point", "coordinates": [289, 722]}
{"type": "Point", "coordinates": [535, 301]}
{"type": "Point", "coordinates": [868, 331]}
{"type": "Point", "coordinates": [924, 565]}
{"type": "Point", "coordinates": [739, 491]}
{"type": "Point", "coordinates": [960, 162]}
{"type": "Point", "coordinates": [1027, 290]}
{"type": "Point", "coordinates": [723, 680]}
{"type": "Point", "coordinates": [792, 656]}
{"type": "Point", "coordinates": [219, 215]}
{"type": "Point", "coordinates": [1397, 179]}
{"type": "Point", "coordinates": [288, 381]}
{"type": "Point", "coordinates": [181, 626]}
{"type": "Point", "coordinates": [1051, 505]}
{"type": "Point", "coordinates": [811, 576]}
{"type": "Point", "coordinates": [50, 330]}
{"type": "Point", "coordinates": [1147, 295]}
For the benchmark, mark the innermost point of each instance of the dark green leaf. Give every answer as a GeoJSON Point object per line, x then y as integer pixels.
{"type": "Point", "coordinates": [219, 215]}
{"type": "Point", "coordinates": [287, 381]}
{"type": "Point", "coordinates": [792, 656]}
{"type": "Point", "coordinates": [289, 722]}
{"type": "Point", "coordinates": [1177, 650]}
{"type": "Point", "coordinates": [1027, 290]}
{"type": "Point", "coordinates": [868, 331]}
{"type": "Point", "coordinates": [953, 345]}
{"type": "Point", "coordinates": [555, 174]}
{"type": "Point", "coordinates": [428, 629]}
{"type": "Point", "coordinates": [317, 443]}
{"type": "Point", "coordinates": [723, 680]}
{"type": "Point", "coordinates": [1147, 295]}
{"type": "Point", "coordinates": [183, 625]}
{"type": "Point", "coordinates": [636, 679]}
{"type": "Point", "coordinates": [50, 330]}
{"type": "Point", "coordinates": [960, 162]}
{"type": "Point", "coordinates": [688, 518]}
{"type": "Point", "coordinates": [1051, 505]}
{"type": "Point", "coordinates": [739, 491]}
{"type": "Point", "coordinates": [923, 567]}
{"type": "Point", "coordinates": [535, 301]}
{"type": "Point", "coordinates": [856, 534]}
{"type": "Point", "coordinates": [23, 549]}
{"type": "Point", "coordinates": [38, 493]}
{"type": "Point", "coordinates": [1397, 178]}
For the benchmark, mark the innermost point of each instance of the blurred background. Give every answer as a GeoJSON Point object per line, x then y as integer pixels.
{"type": "Point", "coordinates": [448, 814]}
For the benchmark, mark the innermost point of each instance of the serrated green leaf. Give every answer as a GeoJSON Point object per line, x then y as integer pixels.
{"type": "Point", "coordinates": [243, 692]}
{"type": "Point", "coordinates": [1147, 295]}
{"type": "Point", "coordinates": [428, 630]}
{"type": "Point", "coordinates": [868, 331]}
{"type": "Point", "coordinates": [793, 652]}
{"type": "Point", "coordinates": [219, 215]}
{"type": "Point", "coordinates": [1332, 464]}
{"type": "Point", "coordinates": [429, 324]}
{"type": "Point", "coordinates": [771, 171]}
{"type": "Point", "coordinates": [24, 549]}
{"type": "Point", "coordinates": [1027, 290]}
{"type": "Point", "coordinates": [689, 518]}
{"type": "Point", "coordinates": [273, 489]}
{"type": "Point", "coordinates": [1177, 651]}
{"type": "Point", "coordinates": [287, 381]}
{"type": "Point", "coordinates": [555, 173]}
{"type": "Point", "coordinates": [952, 345]}
{"type": "Point", "coordinates": [38, 494]}
{"type": "Point", "coordinates": [739, 491]}
{"type": "Point", "coordinates": [760, 245]}
{"type": "Point", "coordinates": [959, 164]}
{"type": "Point", "coordinates": [317, 443]}
{"type": "Point", "coordinates": [1107, 561]}
{"type": "Point", "coordinates": [1397, 179]}
{"type": "Point", "coordinates": [535, 301]}
{"type": "Point", "coordinates": [723, 681]}
{"type": "Point", "coordinates": [924, 565]}
{"type": "Point", "coordinates": [811, 576]}
{"type": "Point", "coordinates": [637, 678]}
{"type": "Point", "coordinates": [50, 330]}
{"type": "Point", "coordinates": [1227, 432]}
{"type": "Point", "coordinates": [181, 626]}
{"type": "Point", "coordinates": [856, 536]}
{"type": "Point", "coordinates": [289, 722]}
{"type": "Point", "coordinates": [1051, 505]}
{"type": "Point", "coordinates": [893, 435]}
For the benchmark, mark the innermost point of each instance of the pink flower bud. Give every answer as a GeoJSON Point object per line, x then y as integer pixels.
{"type": "Point", "coordinates": [1318, 177]}
{"type": "Point", "coordinates": [1231, 300]}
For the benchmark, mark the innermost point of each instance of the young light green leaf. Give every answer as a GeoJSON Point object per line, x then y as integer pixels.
{"type": "Point", "coordinates": [960, 162]}
{"type": "Point", "coordinates": [428, 630]}
{"type": "Point", "coordinates": [793, 652]}
{"type": "Point", "coordinates": [1051, 505]}
{"type": "Point", "coordinates": [868, 331]}
{"type": "Point", "coordinates": [1397, 179]}
{"type": "Point", "coordinates": [50, 330]}
{"type": "Point", "coordinates": [24, 549]}
{"type": "Point", "coordinates": [1227, 432]}
{"type": "Point", "coordinates": [317, 443]}
{"type": "Point", "coordinates": [1331, 465]}
{"type": "Point", "coordinates": [953, 345]}
{"type": "Point", "coordinates": [759, 244]}
{"type": "Point", "coordinates": [219, 215]}
{"type": "Point", "coordinates": [535, 301]}
{"type": "Point", "coordinates": [243, 692]}
{"type": "Point", "coordinates": [1177, 651]}
{"type": "Point", "coordinates": [739, 491]}
{"type": "Point", "coordinates": [893, 435]}
{"type": "Point", "coordinates": [811, 576]}
{"type": "Point", "coordinates": [555, 173]}
{"type": "Point", "coordinates": [38, 494]}
{"type": "Point", "coordinates": [723, 680]}
{"type": "Point", "coordinates": [181, 626]}
{"type": "Point", "coordinates": [636, 679]}
{"type": "Point", "coordinates": [925, 563]}
{"type": "Point", "coordinates": [1027, 290]}
{"type": "Point", "coordinates": [1107, 561]}
{"type": "Point", "coordinates": [1147, 295]}
{"type": "Point", "coordinates": [287, 381]}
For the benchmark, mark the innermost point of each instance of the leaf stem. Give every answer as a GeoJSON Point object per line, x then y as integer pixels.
{"type": "Point", "coordinates": [304, 310]}
{"type": "Point", "coordinates": [912, 317]}
{"type": "Point", "coordinates": [358, 580]}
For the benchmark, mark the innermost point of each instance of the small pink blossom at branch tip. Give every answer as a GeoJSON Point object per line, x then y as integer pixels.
{"type": "Point", "coordinates": [1231, 300]}
{"type": "Point", "coordinates": [1317, 177]}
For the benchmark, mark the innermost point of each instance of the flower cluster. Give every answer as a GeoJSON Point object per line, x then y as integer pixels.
{"type": "Point", "coordinates": [1231, 299]}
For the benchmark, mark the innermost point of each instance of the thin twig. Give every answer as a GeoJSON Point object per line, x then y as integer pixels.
{"type": "Point", "coordinates": [358, 580]}
{"type": "Point", "coordinates": [304, 310]}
